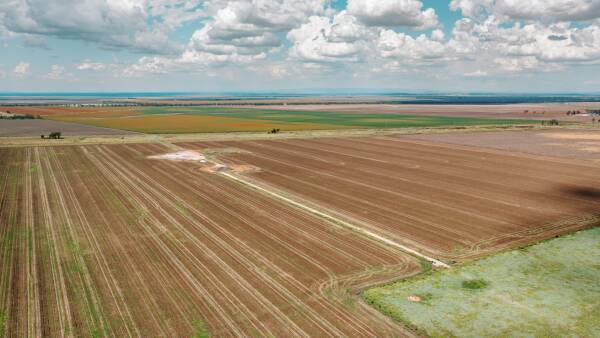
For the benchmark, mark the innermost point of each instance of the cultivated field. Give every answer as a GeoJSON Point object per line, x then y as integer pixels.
{"type": "Point", "coordinates": [547, 290]}
{"type": "Point", "coordinates": [449, 201]}
{"type": "Point", "coordinates": [495, 111]}
{"type": "Point", "coordinates": [583, 144]}
{"type": "Point", "coordinates": [102, 241]}
{"type": "Point", "coordinates": [174, 120]}
{"type": "Point", "coordinates": [35, 128]}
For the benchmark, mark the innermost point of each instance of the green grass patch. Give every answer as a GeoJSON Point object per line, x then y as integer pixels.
{"type": "Point", "coordinates": [200, 330]}
{"type": "Point", "coordinates": [2, 324]}
{"type": "Point", "coordinates": [549, 288]}
{"type": "Point", "coordinates": [181, 208]}
{"type": "Point", "coordinates": [474, 284]}
{"type": "Point", "coordinates": [95, 333]}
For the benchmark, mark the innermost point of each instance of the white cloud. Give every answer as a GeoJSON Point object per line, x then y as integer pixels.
{"type": "Point", "coordinates": [322, 39]}
{"type": "Point", "coordinates": [413, 50]}
{"type": "Point", "coordinates": [494, 36]}
{"type": "Point", "coordinates": [547, 11]}
{"type": "Point", "coordinates": [517, 64]}
{"type": "Point", "coordinates": [89, 65]}
{"type": "Point", "coordinates": [59, 73]}
{"type": "Point", "coordinates": [56, 73]}
{"type": "Point", "coordinates": [390, 13]}
{"type": "Point", "coordinates": [137, 25]}
{"type": "Point", "coordinates": [247, 29]}
{"type": "Point", "coordinates": [148, 65]}
{"type": "Point", "coordinates": [477, 73]}
{"type": "Point", "coordinates": [472, 8]}
{"type": "Point", "coordinates": [22, 69]}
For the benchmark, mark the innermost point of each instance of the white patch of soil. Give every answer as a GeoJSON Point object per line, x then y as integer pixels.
{"type": "Point", "coordinates": [186, 155]}
{"type": "Point", "coordinates": [414, 298]}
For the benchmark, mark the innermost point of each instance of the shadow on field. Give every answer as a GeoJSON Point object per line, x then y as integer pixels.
{"type": "Point", "coordinates": [588, 193]}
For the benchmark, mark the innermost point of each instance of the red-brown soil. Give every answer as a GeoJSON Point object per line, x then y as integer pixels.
{"type": "Point", "coordinates": [58, 111]}
{"type": "Point", "coordinates": [450, 201]}
{"type": "Point", "coordinates": [581, 144]}
{"type": "Point", "coordinates": [100, 240]}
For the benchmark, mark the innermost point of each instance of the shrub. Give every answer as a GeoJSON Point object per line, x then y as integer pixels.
{"type": "Point", "coordinates": [474, 284]}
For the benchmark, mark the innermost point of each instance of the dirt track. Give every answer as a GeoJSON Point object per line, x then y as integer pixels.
{"type": "Point", "coordinates": [453, 202]}
{"type": "Point", "coordinates": [100, 240]}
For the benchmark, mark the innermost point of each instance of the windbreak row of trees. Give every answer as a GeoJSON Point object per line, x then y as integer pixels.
{"type": "Point", "coordinates": [10, 116]}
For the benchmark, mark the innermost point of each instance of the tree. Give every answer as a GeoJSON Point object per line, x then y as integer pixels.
{"type": "Point", "coordinates": [56, 135]}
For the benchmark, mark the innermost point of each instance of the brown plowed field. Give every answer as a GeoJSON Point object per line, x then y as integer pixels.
{"type": "Point", "coordinates": [449, 201]}
{"type": "Point", "coordinates": [583, 144]}
{"type": "Point", "coordinates": [101, 241]}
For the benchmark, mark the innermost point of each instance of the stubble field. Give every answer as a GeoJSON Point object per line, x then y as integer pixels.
{"type": "Point", "coordinates": [449, 201]}
{"type": "Point", "coordinates": [101, 241]}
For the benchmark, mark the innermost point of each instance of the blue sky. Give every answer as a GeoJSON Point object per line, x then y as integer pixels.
{"type": "Point", "coordinates": [196, 45]}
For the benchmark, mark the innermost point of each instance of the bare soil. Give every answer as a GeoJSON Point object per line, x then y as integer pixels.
{"type": "Point", "coordinates": [581, 144]}
{"type": "Point", "coordinates": [450, 201]}
{"type": "Point", "coordinates": [102, 241]}
{"type": "Point", "coordinates": [27, 128]}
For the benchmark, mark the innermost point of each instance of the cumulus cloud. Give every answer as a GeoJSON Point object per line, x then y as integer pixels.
{"type": "Point", "coordinates": [549, 11]}
{"type": "Point", "coordinates": [57, 73]}
{"type": "Point", "coordinates": [248, 29]}
{"type": "Point", "coordinates": [291, 38]}
{"type": "Point", "coordinates": [517, 65]}
{"type": "Point", "coordinates": [322, 39]}
{"type": "Point", "coordinates": [477, 73]}
{"type": "Point", "coordinates": [472, 8]}
{"type": "Point", "coordinates": [90, 65]}
{"type": "Point", "coordinates": [390, 13]}
{"type": "Point", "coordinates": [148, 65]}
{"type": "Point", "coordinates": [113, 24]}
{"type": "Point", "coordinates": [422, 49]}
{"type": "Point", "coordinates": [22, 69]}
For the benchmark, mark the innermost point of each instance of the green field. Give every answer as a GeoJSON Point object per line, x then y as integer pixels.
{"type": "Point", "coordinates": [221, 119]}
{"type": "Point", "coordinates": [551, 289]}
{"type": "Point", "coordinates": [333, 119]}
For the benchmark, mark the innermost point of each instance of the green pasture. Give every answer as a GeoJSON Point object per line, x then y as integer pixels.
{"type": "Point", "coordinates": [333, 119]}
{"type": "Point", "coordinates": [551, 289]}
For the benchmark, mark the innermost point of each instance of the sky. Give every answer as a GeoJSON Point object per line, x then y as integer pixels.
{"type": "Point", "coordinates": [456, 46]}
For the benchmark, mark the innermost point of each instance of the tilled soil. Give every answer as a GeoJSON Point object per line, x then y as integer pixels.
{"type": "Point", "coordinates": [450, 201]}
{"type": "Point", "coordinates": [581, 144]}
{"type": "Point", "coordinates": [101, 241]}
{"type": "Point", "coordinates": [24, 128]}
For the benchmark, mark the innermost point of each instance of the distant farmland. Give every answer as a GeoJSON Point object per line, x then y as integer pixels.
{"type": "Point", "coordinates": [171, 120]}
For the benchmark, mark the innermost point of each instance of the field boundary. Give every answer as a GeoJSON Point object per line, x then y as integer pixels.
{"type": "Point", "coordinates": [370, 234]}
